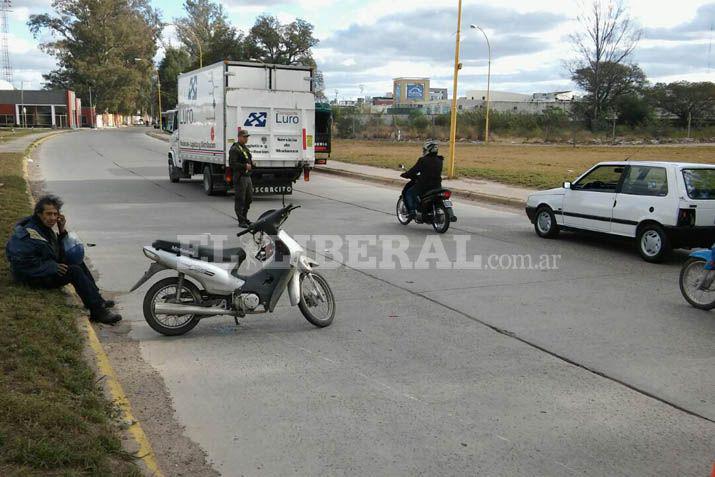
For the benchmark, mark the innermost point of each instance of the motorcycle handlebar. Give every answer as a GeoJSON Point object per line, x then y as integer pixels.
{"type": "Point", "coordinates": [252, 228]}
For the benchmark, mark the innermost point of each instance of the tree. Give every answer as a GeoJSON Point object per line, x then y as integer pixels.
{"type": "Point", "coordinates": [175, 62]}
{"type": "Point", "coordinates": [633, 110]}
{"type": "Point", "coordinates": [206, 22]}
{"type": "Point", "coordinates": [272, 42]}
{"type": "Point", "coordinates": [615, 80]}
{"type": "Point", "coordinates": [688, 101]}
{"type": "Point", "coordinates": [604, 45]}
{"type": "Point", "coordinates": [97, 44]}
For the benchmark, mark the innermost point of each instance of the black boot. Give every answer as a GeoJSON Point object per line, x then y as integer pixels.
{"type": "Point", "coordinates": [109, 303]}
{"type": "Point", "coordinates": [104, 316]}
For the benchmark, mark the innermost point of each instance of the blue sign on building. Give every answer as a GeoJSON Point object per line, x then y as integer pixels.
{"type": "Point", "coordinates": [415, 91]}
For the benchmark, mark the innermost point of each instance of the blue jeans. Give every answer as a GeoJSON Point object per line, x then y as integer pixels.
{"type": "Point", "coordinates": [411, 199]}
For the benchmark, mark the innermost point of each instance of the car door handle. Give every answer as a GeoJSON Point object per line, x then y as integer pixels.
{"type": "Point", "coordinates": [614, 203]}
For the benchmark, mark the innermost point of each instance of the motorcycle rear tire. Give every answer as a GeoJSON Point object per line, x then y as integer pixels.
{"type": "Point", "coordinates": [440, 210]}
{"type": "Point", "coordinates": [150, 316]}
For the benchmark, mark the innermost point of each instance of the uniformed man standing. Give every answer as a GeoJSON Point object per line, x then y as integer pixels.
{"type": "Point", "coordinates": [241, 163]}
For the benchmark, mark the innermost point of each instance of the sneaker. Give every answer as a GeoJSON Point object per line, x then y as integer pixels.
{"type": "Point", "coordinates": [244, 224]}
{"type": "Point", "coordinates": [105, 317]}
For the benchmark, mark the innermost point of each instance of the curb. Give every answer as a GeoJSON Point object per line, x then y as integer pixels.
{"type": "Point", "coordinates": [159, 136]}
{"type": "Point", "coordinates": [461, 193]}
{"type": "Point", "coordinates": [119, 398]}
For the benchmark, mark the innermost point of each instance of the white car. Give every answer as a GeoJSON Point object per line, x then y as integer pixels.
{"type": "Point", "coordinates": [663, 205]}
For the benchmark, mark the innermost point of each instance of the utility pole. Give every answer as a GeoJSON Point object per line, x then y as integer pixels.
{"type": "Point", "coordinates": [91, 110]}
{"type": "Point", "coordinates": [453, 122]}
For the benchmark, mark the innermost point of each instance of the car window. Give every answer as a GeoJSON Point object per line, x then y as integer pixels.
{"type": "Point", "coordinates": [700, 183]}
{"type": "Point", "coordinates": [601, 179]}
{"type": "Point", "coordinates": [645, 180]}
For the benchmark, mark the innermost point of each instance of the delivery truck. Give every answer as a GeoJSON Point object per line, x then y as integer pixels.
{"type": "Point", "coordinates": [274, 103]}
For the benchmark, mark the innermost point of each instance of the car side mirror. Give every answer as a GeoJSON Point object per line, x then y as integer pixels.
{"type": "Point", "coordinates": [567, 185]}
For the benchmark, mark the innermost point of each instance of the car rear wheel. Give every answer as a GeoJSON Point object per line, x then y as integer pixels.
{"type": "Point", "coordinates": [653, 243]}
{"type": "Point", "coordinates": [545, 222]}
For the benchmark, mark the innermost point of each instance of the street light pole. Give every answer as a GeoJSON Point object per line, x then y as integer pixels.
{"type": "Point", "coordinates": [158, 93]}
{"type": "Point", "coordinates": [453, 120]}
{"type": "Point", "coordinates": [158, 87]}
{"type": "Point", "coordinates": [489, 77]}
{"type": "Point", "coordinates": [196, 39]}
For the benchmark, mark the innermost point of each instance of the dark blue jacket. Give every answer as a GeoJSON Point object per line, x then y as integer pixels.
{"type": "Point", "coordinates": [33, 250]}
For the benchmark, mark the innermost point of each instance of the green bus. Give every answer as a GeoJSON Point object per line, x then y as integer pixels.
{"type": "Point", "coordinates": [323, 132]}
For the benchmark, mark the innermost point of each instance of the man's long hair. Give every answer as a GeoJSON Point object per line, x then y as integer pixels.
{"type": "Point", "coordinates": [47, 200]}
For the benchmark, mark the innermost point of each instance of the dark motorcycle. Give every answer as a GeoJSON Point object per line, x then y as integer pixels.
{"type": "Point", "coordinates": [435, 207]}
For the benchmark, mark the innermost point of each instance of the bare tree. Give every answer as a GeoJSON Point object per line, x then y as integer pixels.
{"type": "Point", "coordinates": [606, 39]}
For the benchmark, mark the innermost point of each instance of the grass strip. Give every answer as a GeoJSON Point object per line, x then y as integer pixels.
{"type": "Point", "coordinates": [532, 166]}
{"type": "Point", "coordinates": [54, 418]}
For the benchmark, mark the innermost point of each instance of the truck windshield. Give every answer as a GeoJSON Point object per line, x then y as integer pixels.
{"type": "Point", "coordinates": [700, 183]}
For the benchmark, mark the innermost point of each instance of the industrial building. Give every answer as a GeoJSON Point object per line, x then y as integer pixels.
{"type": "Point", "coordinates": [39, 108]}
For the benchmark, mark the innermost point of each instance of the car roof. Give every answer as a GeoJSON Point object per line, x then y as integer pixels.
{"type": "Point", "coordinates": [684, 165]}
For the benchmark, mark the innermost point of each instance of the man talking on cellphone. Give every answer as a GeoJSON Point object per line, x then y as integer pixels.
{"type": "Point", "coordinates": [38, 259]}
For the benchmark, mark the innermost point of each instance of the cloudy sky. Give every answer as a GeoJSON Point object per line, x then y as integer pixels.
{"type": "Point", "coordinates": [366, 43]}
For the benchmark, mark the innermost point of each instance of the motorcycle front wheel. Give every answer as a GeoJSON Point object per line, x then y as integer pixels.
{"type": "Point", "coordinates": [317, 302]}
{"type": "Point", "coordinates": [164, 291]}
{"type": "Point", "coordinates": [403, 215]}
{"type": "Point", "coordinates": [691, 275]}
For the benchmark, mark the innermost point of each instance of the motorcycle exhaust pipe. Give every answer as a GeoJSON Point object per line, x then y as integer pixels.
{"type": "Point", "coordinates": [177, 309]}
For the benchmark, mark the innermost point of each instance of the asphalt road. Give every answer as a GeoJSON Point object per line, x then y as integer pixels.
{"type": "Point", "coordinates": [596, 366]}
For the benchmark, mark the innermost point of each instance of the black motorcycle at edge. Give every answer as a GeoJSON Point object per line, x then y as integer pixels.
{"type": "Point", "coordinates": [435, 208]}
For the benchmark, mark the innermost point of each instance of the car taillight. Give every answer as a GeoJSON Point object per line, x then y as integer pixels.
{"type": "Point", "coordinates": [306, 174]}
{"type": "Point", "coordinates": [447, 194]}
{"type": "Point", "coordinates": [228, 175]}
{"type": "Point", "coordinates": [686, 217]}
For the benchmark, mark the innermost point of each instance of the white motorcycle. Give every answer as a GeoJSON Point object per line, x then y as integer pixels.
{"type": "Point", "coordinates": [174, 305]}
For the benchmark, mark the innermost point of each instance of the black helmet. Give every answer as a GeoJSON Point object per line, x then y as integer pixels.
{"type": "Point", "coordinates": [430, 147]}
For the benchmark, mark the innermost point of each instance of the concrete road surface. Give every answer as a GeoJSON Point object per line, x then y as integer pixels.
{"type": "Point", "coordinates": [592, 364]}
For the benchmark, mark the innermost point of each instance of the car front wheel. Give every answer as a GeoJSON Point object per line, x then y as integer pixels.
{"type": "Point", "coordinates": [653, 243]}
{"type": "Point", "coordinates": [545, 222]}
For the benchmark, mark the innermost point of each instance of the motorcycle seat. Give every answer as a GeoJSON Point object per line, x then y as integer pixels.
{"type": "Point", "coordinates": [208, 254]}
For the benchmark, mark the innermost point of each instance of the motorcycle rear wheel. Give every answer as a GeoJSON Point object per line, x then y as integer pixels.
{"type": "Point", "coordinates": [440, 219]}
{"type": "Point", "coordinates": [317, 302]}
{"type": "Point", "coordinates": [691, 274]}
{"type": "Point", "coordinates": [165, 291]}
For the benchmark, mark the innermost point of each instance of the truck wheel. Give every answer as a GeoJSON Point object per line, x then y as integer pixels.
{"type": "Point", "coordinates": [174, 173]}
{"type": "Point", "coordinates": [208, 181]}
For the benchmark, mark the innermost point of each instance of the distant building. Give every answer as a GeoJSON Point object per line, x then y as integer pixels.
{"type": "Point", "coordinates": [46, 109]}
{"type": "Point", "coordinates": [410, 90]}
{"type": "Point", "coordinates": [382, 101]}
{"type": "Point", "coordinates": [438, 94]}
{"type": "Point", "coordinates": [481, 95]}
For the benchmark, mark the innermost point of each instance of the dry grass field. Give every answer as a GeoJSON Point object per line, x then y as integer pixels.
{"type": "Point", "coordinates": [532, 166]}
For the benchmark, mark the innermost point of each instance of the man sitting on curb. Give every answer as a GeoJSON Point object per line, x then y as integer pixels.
{"type": "Point", "coordinates": [36, 257]}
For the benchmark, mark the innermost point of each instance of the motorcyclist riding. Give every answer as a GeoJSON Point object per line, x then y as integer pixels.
{"type": "Point", "coordinates": [427, 174]}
